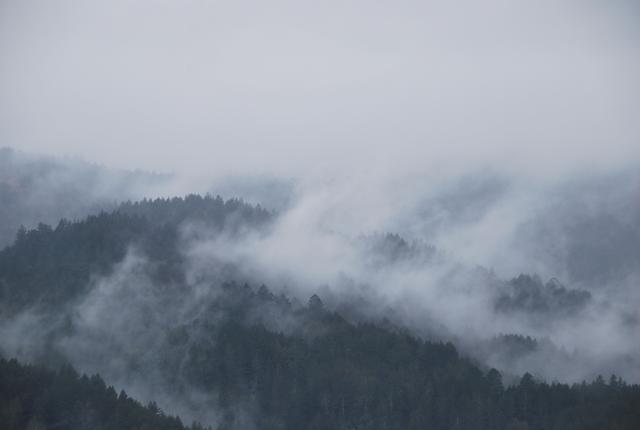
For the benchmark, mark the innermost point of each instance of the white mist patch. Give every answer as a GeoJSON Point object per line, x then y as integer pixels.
{"type": "Point", "coordinates": [314, 247]}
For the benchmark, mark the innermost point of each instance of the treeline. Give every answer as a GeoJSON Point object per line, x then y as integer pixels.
{"type": "Point", "coordinates": [45, 189]}
{"type": "Point", "coordinates": [36, 398]}
{"type": "Point", "coordinates": [263, 360]}
{"type": "Point", "coordinates": [53, 265]}
{"type": "Point", "coordinates": [231, 214]}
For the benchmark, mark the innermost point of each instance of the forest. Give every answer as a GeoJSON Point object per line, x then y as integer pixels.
{"type": "Point", "coordinates": [255, 358]}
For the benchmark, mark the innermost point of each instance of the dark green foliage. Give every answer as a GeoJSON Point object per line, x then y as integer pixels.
{"type": "Point", "coordinates": [261, 357]}
{"type": "Point", "coordinates": [384, 249]}
{"type": "Point", "coordinates": [211, 211]}
{"type": "Point", "coordinates": [37, 398]}
{"type": "Point", "coordinates": [347, 376]}
{"type": "Point", "coordinates": [529, 294]}
{"type": "Point", "coordinates": [54, 265]}
{"type": "Point", "coordinates": [51, 266]}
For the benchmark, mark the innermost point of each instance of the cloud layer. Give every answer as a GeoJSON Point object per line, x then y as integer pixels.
{"type": "Point", "coordinates": [211, 88]}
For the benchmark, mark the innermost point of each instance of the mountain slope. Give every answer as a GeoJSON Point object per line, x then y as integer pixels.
{"type": "Point", "coordinates": [114, 294]}
{"type": "Point", "coordinates": [36, 398]}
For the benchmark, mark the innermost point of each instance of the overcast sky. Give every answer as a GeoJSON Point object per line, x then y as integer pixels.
{"type": "Point", "coordinates": [363, 103]}
{"type": "Point", "coordinates": [291, 87]}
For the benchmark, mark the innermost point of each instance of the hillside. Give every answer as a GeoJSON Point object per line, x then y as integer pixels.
{"type": "Point", "coordinates": [36, 398]}
{"type": "Point", "coordinates": [114, 294]}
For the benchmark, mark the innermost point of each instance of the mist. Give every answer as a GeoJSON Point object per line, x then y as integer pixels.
{"type": "Point", "coordinates": [211, 88]}
{"type": "Point", "coordinates": [463, 278]}
{"type": "Point", "coordinates": [469, 172]}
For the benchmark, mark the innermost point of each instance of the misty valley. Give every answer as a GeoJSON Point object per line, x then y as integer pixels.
{"type": "Point", "coordinates": [319, 215]}
{"type": "Point", "coordinates": [203, 312]}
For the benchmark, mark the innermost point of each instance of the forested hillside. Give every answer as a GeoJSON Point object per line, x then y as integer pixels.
{"type": "Point", "coordinates": [53, 265]}
{"type": "Point", "coordinates": [115, 294]}
{"type": "Point", "coordinates": [37, 399]}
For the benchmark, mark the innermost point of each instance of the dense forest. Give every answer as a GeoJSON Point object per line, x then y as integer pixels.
{"type": "Point", "coordinates": [72, 295]}
{"type": "Point", "coordinates": [52, 265]}
{"type": "Point", "coordinates": [36, 398]}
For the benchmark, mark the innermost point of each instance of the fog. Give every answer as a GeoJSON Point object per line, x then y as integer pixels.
{"type": "Point", "coordinates": [292, 88]}
{"type": "Point", "coordinates": [502, 137]}
{"type": "Point", "coordinates": [581, 237]}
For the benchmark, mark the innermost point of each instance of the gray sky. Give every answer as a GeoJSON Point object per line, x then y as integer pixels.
{"type": "Point", "coordinates": [365, 103]}
{"type": "Point", "coordinates": [291, 87]}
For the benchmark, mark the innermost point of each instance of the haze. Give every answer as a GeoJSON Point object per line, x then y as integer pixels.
{"type": "Point", "coordinates": [466, 171]}
{"type": "Point", "coordinates": [331, 89]}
